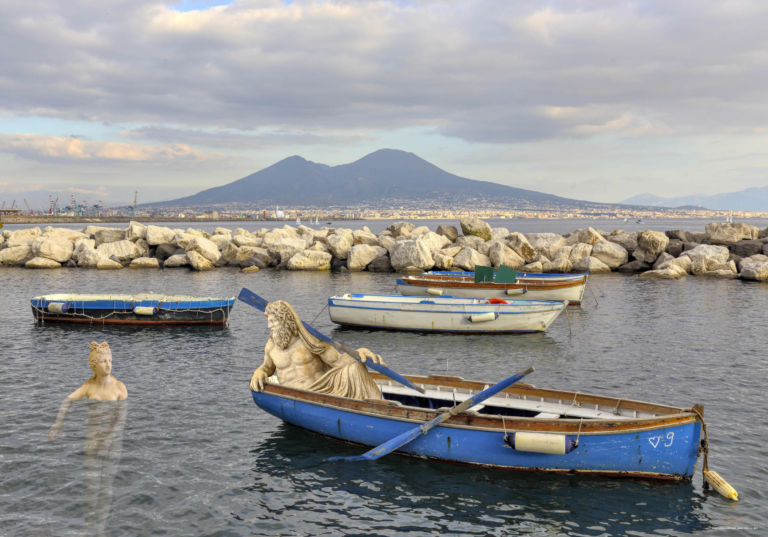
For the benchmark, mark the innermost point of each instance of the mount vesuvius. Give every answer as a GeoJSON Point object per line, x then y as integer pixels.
{"type": "Point", "coordinates": [387, 174]}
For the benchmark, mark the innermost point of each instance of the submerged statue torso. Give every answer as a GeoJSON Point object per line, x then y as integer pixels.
{"type": "Point", "coordinates": [300, 360]}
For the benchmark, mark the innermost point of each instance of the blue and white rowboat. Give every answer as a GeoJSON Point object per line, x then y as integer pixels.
{"type": "Point", "coordinates": [443, 314]}
{"type": "Point", "coordinates": [521, 428]}
{"type": "Point", "coordinates": [145, 309]}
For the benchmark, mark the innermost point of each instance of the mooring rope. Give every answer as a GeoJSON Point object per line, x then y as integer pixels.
{"type": "Point", "coordinates": [704, 444]}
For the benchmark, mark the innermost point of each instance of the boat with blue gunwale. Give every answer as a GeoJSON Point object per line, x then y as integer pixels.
{"type": "Point", "coordinates": [520, 276]}
{"type": "Point", "coordinates": [522, 428]}
{"type": "Point", "coordinates": [147, 309]}
{"type": "Point", "coordinates": [443, 314]}
{"type": "Point", "coordinates": [485, 282]}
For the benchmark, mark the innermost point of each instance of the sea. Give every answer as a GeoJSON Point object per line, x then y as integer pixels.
{"type": "Point", "coordinates": [189, 453]}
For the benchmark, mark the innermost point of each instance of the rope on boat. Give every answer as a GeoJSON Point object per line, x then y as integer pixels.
{"type": "Point", "coordinates": [318, 313]}
{"type": "Point", "coordinates": [710, 476]}
{"type": "Point", "coordinates": [42, 312]}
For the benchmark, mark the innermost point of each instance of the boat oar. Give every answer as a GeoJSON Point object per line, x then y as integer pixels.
{"type": "Point", "coordinates": [252, 299]}
{"type": "Point", "coordinates": [402, 439]}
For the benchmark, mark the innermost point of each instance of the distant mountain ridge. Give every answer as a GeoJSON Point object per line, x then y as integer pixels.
{"type": "Point", "coordinates": [751, 199]}
{"type": "Point", "coordinates": [386, 174]}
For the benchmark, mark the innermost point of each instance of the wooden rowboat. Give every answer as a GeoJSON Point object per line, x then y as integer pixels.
{"type": "Point", "coordinates": [139, 309]}
{"type": "Point", "coordinates": [570, 290]}
{"type": "Point", "coordinates": [520, 276]}
{"type": "Point", "coordinates": [443, 314]}
{"type": "Point", "coordinates": [519, 428]}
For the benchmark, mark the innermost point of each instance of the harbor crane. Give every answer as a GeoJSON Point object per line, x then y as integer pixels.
{"type": "Point", "coordinates": [31, 212]}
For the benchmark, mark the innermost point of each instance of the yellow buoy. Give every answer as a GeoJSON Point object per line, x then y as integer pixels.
{"type": "Point", "coordinates": [721, 485]}
{"type": "Point", "coordinates": [483, 317]}
{"type": "Point", "coordinates": [434, 291]}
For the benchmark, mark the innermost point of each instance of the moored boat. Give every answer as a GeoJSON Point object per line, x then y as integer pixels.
{"type": "Point", "coordinates": [139, 309]}
{"type": "Point", "coordinates": [569, 290]}
{"type": "Point", "coordinates": [519, 276]}
{"type": "Point", "coordinates": [443, 314]}
{"type": "Point", "coordinates": [520, 428]}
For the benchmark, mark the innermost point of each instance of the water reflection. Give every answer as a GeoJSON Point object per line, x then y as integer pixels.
{"type": "Point", "coordinates": [289, 472]}
{"type": "Point", "coordinates": [103, 448]}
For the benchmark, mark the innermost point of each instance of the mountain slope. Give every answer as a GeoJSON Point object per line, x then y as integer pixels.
{"type": "Point", "coordinates": [750, 199]}
{"type": "Point", "coordinates": [384, 174]}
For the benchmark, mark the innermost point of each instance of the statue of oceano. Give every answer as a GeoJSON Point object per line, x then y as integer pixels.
{"type": "Point", "coordinates": [300, 360]}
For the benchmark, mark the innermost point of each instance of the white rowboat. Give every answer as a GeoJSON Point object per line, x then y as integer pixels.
{"type": "Point", "coordinates": [443, 314]}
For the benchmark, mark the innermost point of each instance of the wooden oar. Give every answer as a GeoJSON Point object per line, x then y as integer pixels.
{"type": "Point", "coordinates": [252, 299]}
{"type": "Point", "coordinates": [400, 440]}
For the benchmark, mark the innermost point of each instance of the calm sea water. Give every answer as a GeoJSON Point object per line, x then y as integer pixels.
{"type": "Point", "coordinates": [195, 456]}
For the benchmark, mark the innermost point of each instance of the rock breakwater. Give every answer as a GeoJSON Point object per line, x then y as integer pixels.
{"type": "Point", "coordinates": [723, 250]}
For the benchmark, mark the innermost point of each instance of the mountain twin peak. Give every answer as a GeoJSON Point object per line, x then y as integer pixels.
{"type": "Point", "coordinates": [386, 174]}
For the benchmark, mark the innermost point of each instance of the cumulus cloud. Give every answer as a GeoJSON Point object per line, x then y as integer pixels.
{"type": "Point", "coordinates": [480, 71]}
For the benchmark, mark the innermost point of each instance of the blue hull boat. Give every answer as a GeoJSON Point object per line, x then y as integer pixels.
{"type": "Point", "coordinates": [522, 428]}
{"type": "Point", "coordinates": [141, 309]}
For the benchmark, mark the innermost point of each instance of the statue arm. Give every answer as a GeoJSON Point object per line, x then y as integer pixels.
{"type": "Point", "coordinates": [79, 393]}
{"type": "Point", "coordinates": [334, 358]}
{"type": "Point", "coordinates": [264, 371]}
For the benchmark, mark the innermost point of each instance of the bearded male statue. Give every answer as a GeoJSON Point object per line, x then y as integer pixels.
{"type": "Point", "coordinates": [300, 360]}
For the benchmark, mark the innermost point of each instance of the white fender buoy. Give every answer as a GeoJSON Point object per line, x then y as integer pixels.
{"type": "Point", "coordinates": [58, 307]}
{"type": "Point", "coordinates": [434, 291]}
{"type": "Point", "coordinates": [145, 310]}
{"type": "Point", "coordinates": [515, 291]}
{"type": "Point", "coordinates": [721, 485]}
{"type": "Point", "coordinates": [555, 444]}
{"type": "Point", "coordinates": [483, 317]}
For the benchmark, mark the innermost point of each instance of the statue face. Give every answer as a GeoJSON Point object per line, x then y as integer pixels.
{"type": "Point", "coordinates": [280, 330]}
{"type": "Point", "coordinates": [102, 364]}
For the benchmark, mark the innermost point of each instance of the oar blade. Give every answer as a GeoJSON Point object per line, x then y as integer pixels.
{"type": "Point", "coordinates": [252, 299]}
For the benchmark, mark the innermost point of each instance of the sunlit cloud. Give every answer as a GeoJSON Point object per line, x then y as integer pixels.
{"type": "Point", "coordinates": [67, 148]}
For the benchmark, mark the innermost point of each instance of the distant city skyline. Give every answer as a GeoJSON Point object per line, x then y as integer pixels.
{"type": "Point", "coordinates": [584, 100]}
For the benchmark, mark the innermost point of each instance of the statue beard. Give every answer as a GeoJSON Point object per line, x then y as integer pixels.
{"type": "Point", "coordinates": [282, 337]}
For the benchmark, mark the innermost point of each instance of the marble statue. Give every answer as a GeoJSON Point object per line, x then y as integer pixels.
{"type": "Point", "coordinates": [300, 360]}
{"type": "Point", "coordinates": [102, 386]}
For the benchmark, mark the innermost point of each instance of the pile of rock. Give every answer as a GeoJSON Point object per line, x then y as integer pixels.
{"type": "Point", "coordinates": [724, 250]}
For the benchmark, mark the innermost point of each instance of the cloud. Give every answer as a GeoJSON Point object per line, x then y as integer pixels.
{"type": "Point", "coordinates": [462, 69]}
{"type": "Point", "coordinates": [35, 147]}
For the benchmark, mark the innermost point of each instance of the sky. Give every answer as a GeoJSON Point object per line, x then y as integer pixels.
{"type": "Point", "coordinates": [597, 100]}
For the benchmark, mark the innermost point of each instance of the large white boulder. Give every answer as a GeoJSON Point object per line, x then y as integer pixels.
{"type": "Point", "coordinates": [339, 243]}
{"type": "Point", "coordinates": [204, 247]}
{"type": "Point", "coordinates": [123, 250]}
{"type": "Point", "coordinates": [42, 263]}
{"type": "Point", "coordinates": [56, 249]}
{"type": "Point", "coordinates": [158, 235]}
{"type": "Point", "coordinates": [586, 236]}
{"type": "Point", "coordinates": [521, 246]}
{"type": "Point", "coordinates": [136, 231]}
{"type": "Point", "coordinates": [724, 232]}
{"type": "Point", "coordinates": [86, 257]}
{"type": "Point", "coordinates": [546, 243]}
{"type": "Point", "coordinates": [649, 245]}
{"type": "Point", "coordinates": [433, 241]}
{"type": "Point", "coordinates": [755, 269]}
{"type": "Point", "coordinates": [468, 259]}
{"type": "Point", "coordinates": [108, 234]}
{"type": "Point", "coordinates": [591, 264]}
{"type": "Point", "coordinates": [310, 260]}
{"type": "Point", "coordinates": [198, 261]}
{"type": "Point", "coordinates": [106, 263]}
{"type": "Point", "coordinates": [246, 239]}
{"type": "Point", "coordinates": [411, 253]}
{"type": "Point", "coordinates": [176, 260]}
{"type": "Point", "coordinates": [22, 237]}
{"type": "Point", "coordinates": [145, 262]}
{"type": "Point", "coordinates": [15, 255]}
{"type": "Point", "coordinates": [706, 257]}
{"type": "Point", "coordinates": [285, 248]}
{"type": "Point", "coordinates": [362, 254]}
{"type": "Point", "coordinates": [474, 226]}
{"type": "Point", "coordinates": [610, 253]}
{"type": "Point", "coordinates": [501, 254]}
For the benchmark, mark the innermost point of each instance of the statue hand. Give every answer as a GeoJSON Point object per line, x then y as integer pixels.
{"type": "Point", "coordinates": [368, 354]}
{"type": "Point", "coordinates": [258, 380]}
{"type": "Point", "coordinates": [54, 431]}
